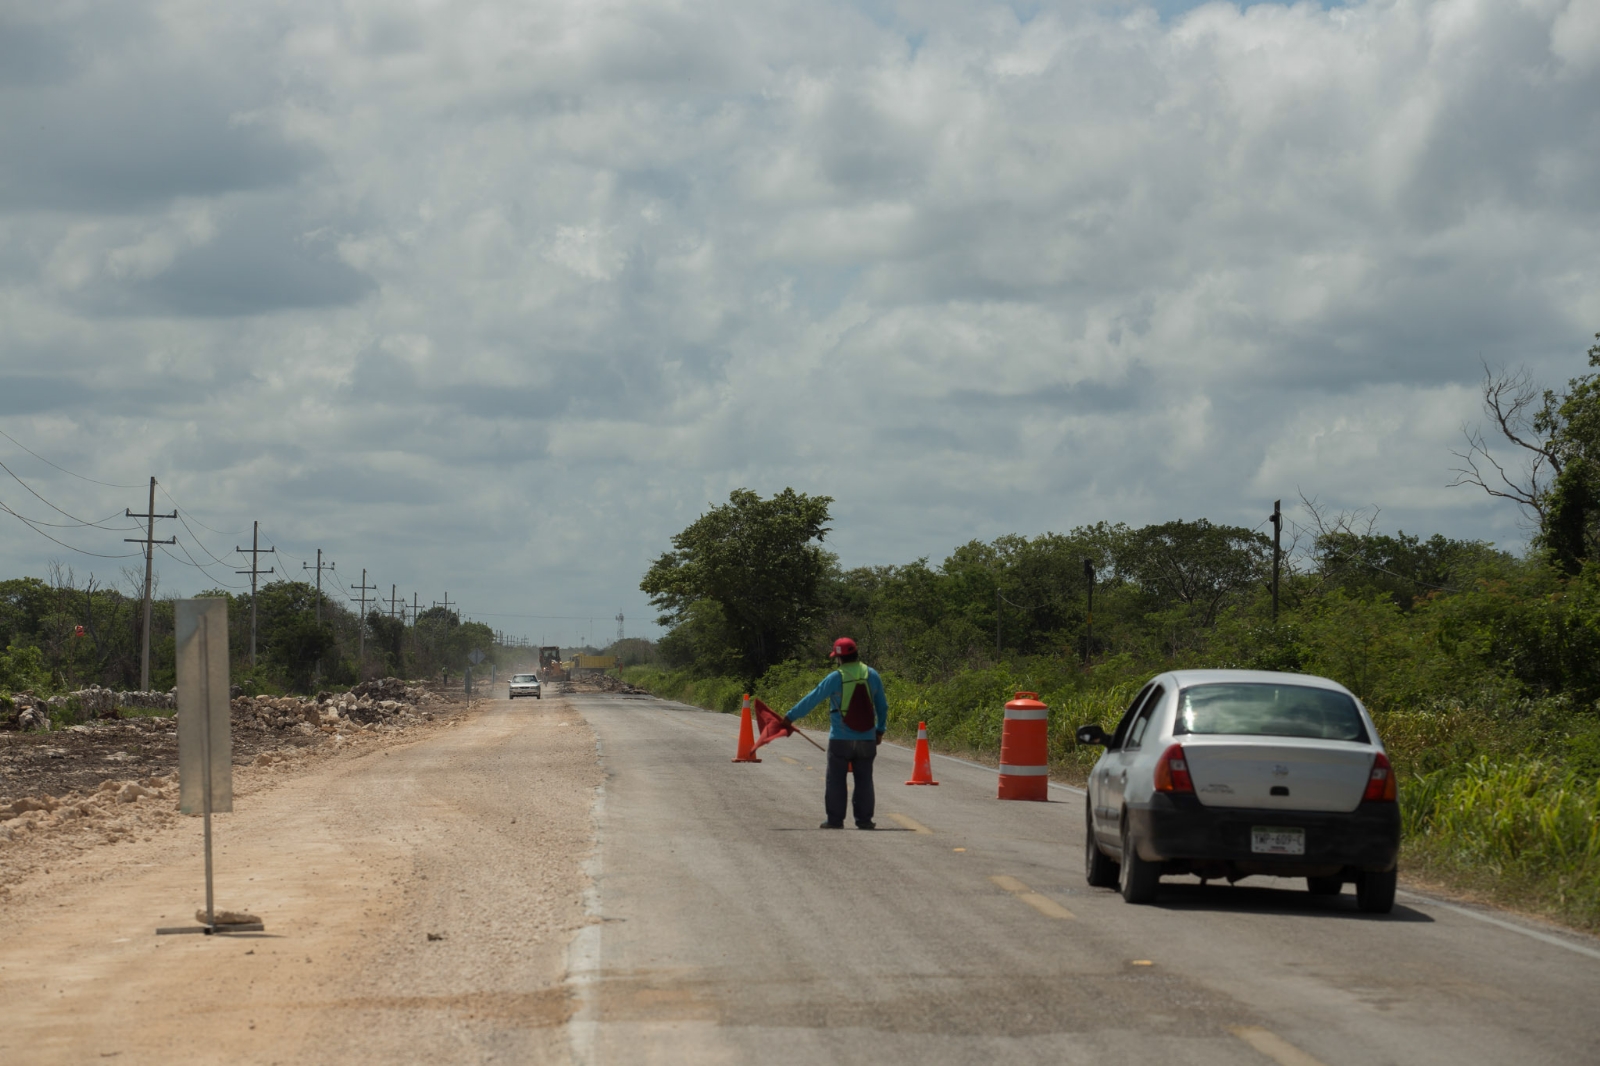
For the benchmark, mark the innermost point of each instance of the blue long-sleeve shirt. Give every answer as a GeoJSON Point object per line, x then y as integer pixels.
{"type": "Point", "coordinates": [831, 688]}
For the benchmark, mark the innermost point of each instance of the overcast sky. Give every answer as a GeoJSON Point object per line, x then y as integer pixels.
{"type": "Point", "coordinates": [495, 297]}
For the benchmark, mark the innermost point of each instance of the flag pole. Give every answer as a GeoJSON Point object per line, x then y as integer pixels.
{"type": "Point", "coordinates": [814, 744]}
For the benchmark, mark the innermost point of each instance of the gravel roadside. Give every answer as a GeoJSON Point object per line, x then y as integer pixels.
{"type": "Point", "coordinates": [418, 896]}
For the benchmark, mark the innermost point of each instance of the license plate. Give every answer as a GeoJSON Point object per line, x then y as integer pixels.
{"type": "Point", "coordinates": [1273, 840]}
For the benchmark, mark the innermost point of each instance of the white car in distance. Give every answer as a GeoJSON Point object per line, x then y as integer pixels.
{"type": "Point", "coordinates": [524, 685]}
{"type": "Point", "coordinates": [1234, 773]}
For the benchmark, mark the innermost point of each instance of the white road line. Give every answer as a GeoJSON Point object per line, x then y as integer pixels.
{"type": "Point", "coordinates": [583, 954]}
{"type": "Point", "coordinates": [1547, 938]}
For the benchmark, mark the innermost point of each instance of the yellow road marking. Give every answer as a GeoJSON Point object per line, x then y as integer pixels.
{"type": "Point", "coordinates": [909, 823]}
{"type": "Point", "coordinates": [1141, 962]}
{"type": "Point", "coordinates": [958, 849]}
{"type": "Point", "coordinates": [1274, 1046]}
{"type": "Point", "coordinates": [1045, 905]}
{"type": "Point", "coordinates": [1038, 901]}
{"type": "Point", "coordinates": [791, 762]}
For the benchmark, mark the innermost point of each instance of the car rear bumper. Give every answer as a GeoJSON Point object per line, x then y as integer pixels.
{"type": "Point", "coordinates": [1180, 830]}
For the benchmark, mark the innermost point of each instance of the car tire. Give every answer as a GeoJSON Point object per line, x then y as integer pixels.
{"type": "Point", "coordinates": [1098, 868]}
{"type": "Point", "coordinates": [1375, 891]}
{"type": "Point", "coordinates": [1325, 886]}
{"type": "Point", "coordinates": [1138, 879]}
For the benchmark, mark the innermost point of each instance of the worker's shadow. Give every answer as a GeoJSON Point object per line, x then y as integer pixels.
{"type": "Point", "coordinates": [847, 829]}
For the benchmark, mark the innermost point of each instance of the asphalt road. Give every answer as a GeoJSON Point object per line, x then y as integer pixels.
{"type": "Point", "coordinates": [733, 930]}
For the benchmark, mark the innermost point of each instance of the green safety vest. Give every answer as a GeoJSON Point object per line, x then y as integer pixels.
{"type": "Point", "coordinates": [855, 701]}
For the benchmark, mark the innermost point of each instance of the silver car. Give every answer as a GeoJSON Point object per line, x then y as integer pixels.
{"type": "Point", "coordinates": [524, 685]}
{"type": "Point", "coordinates": [1229, 773]}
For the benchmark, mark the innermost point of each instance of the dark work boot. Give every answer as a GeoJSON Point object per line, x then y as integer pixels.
{"type": "Point", "coordinates": [831, 825]}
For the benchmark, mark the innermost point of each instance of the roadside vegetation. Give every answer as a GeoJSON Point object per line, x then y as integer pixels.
{"type": "Point", "coordinates": [1481, 667]}
{"type": "Point", "coordinates": [299, 646]}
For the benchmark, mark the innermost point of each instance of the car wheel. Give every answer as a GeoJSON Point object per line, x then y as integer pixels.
{"type": "Point", "coordinates": [1325, 886]}
{"type": "Point", "coordinates": [1139, 879]}
{"type": "Point", "coordinates": [1375, 891]}
{"type": "Point", "coordinates": [1098, 868]}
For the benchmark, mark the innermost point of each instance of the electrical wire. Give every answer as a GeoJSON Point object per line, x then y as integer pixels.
{"type": "Point", "coordinates": [83, 525]}
{"type": "Point", "coordinates": [80, 521]}
{"type": "Point", "coordinates": [97, 555]}
{"type": "Point", "coordinates": [202, 525]}
{"type": "Point", "coordinates": [64, 470]}
{"type": "Point", "coordinates": [191, 561]}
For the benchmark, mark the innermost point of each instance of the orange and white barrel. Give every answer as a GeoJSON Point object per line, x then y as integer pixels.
{"type": "Point", "coordinates": [1024, 749]}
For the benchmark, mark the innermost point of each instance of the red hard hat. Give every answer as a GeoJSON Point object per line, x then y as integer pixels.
{"type": "Point", "coordinates": [842, 646]}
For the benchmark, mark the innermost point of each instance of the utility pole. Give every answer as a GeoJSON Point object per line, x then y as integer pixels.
{"type": "Point", "coordinates": [319, 568]}
{"type": "Point", "coordinates": [1088, 629]}
{"type": "Point", "coordinates": [416, 608]}
{"type": "Point", "coordinates": [255, 550]}
{"type": "Point", "coordinates": [997, 624]}
{"type": "Point", "coordinates": [361, 640]}
{"type": "Point", "coordinates": [149, 541]}
{"type": "Point", "coordinates": [446, 604]}
{"type": "Point", "coordinates": [1277, 553]}
{"type": "Point", "coordinates": [393, 599]}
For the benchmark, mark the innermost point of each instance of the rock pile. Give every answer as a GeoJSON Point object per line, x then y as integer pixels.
{"type": "Point", "coordinates": [608, 683]}
{"type": "Point", "coordinates": [386, 701]}
{"type": "Point", "coordinates": [101, 809]}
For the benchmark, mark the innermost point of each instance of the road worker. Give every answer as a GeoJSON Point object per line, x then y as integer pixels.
{"type": "Point", "coordinates": [854, 693]}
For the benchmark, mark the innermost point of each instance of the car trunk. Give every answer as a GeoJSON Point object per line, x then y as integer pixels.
{"type": "Point", "coordinates": [1278, 773]}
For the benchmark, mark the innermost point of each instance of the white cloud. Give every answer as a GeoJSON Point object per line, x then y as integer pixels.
{"type": "Point", "coordinates": [497, 296]}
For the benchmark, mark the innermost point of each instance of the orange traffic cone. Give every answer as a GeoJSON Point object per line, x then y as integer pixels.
{"type": "Point", "coordinates": [747, 736]}
{"type": "Point", "coordinates": [922, 762]}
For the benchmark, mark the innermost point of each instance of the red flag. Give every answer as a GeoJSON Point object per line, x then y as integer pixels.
{"type": "Point", "coordinates": [773, 724]}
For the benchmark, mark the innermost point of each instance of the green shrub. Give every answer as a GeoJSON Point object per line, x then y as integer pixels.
{"type": "Point", "coordinates": [23, 670]}
{"type": "Point", "coordinates": [1525, 829]}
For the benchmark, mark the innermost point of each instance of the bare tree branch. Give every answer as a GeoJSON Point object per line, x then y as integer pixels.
{"type": "Point", "coordinates": [1512, 403]}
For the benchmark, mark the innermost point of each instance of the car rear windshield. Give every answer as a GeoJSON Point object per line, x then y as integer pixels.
{"type": "Point", "coordinates": [523, 677]}
{"type": "Point", "coordinates": [1269, 710]}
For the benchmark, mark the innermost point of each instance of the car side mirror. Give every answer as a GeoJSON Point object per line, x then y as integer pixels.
{"type": "Point", "coordinates": [1092, 734]}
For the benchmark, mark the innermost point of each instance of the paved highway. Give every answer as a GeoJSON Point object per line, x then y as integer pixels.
{"type": "Point", "coordinates": [731, 929]}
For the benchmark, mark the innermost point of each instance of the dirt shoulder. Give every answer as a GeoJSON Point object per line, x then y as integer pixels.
{"type": "Point", "coordinates": [418, 889]}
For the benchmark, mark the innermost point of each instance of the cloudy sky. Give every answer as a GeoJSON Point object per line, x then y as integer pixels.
{"type": "Point", "coordinates": [494, 297]}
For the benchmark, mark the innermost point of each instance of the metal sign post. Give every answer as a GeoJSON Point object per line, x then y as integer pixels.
{"type": "Point", "coordinates": [205, 735]}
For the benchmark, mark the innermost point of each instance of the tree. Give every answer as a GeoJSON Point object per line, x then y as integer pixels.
{"type": "Point", "coordinates": [1558, 484]}
{"type": "Point", "coordinates": [760, 563]}
{"type": "Point", "coordinates": [1196, 564]}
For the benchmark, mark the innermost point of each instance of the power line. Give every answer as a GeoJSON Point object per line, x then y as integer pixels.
{"type": "Point", "coordinates": [81, 551]}
{"type": "Point", "coordinates": [63, 469]}
{"type": "Point", "coordinates": [53, 507]}
{"type": "Point", "coordinates": [202, 525]}
{"type": "Point", "coordinates": [190, 561]}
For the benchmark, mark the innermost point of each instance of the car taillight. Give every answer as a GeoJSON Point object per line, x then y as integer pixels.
{"type": "Point", "coordinates": [1380, 783]}
{"type": "Point", "coordinates": [1172, 772]}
